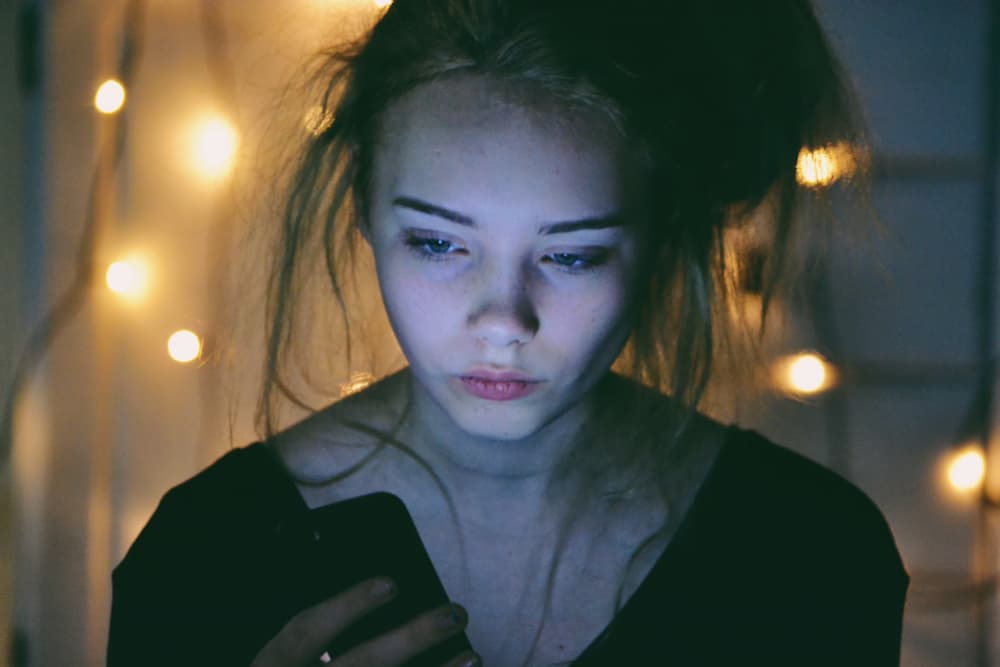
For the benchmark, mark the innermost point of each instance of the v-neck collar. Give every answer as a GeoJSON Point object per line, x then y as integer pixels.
{"type": "Point", "coordinates": [647, 587]}
{"type": "Point", "coordinates": [664, 564]}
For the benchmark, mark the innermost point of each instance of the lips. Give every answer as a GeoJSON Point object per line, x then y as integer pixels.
{"type": "Point", "coordinates": [498, 386]}
{"type": "Point", "coordinates": [495, 376]}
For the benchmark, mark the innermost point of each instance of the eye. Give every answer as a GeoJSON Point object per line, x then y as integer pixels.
{"type": "Point", "coordinates": [434, 246]}
{"type": "Point", "coordinates": [577, 262]}
{"type": "Point", "coordinates": [430, 247]}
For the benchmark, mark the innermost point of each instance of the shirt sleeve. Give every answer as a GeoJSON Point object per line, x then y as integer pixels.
{"type": "Point", "coordinates": [208, 580]}
{"type": "Point", "coordinates": [867, 594]}
{"type": "Point", "coordinates": [163, 610]}
{"type": "Point", "coordinates": [148, 595]}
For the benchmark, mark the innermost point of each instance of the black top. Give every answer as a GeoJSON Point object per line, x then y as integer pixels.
{"type": "Point", "coordinates": [779, 561]}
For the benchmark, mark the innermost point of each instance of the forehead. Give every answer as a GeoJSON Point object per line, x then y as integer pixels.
{"type": "Point", "coordinates": [473, 144]}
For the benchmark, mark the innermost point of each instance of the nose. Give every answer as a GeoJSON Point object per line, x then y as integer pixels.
{"type": "Point", "coordinates": [505, 316]}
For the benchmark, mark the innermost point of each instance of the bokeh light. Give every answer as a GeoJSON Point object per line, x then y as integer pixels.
{"type": "Point", "coordinates": [381, 4]}
{"type": "Point", "coordinates": [110, 97]}
{"type": "Point", "coordinates": [804, 373]}
{"type": "Point", "coordinates": [967, 469]}
{"type": "Point", "coordinates": [819, 167]}
{"type": "Point", "coordinates": [184, 346]}
{"type": "Point", "coordinates": [127, 277]}
{"type": "Point", "coordinates": [214, 146]}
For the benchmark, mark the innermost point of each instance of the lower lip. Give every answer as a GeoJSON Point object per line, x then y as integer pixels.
{"type": "Point", "coordinates": [498, 391]}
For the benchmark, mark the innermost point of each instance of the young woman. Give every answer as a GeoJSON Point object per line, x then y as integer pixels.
{"type": "Point", "coordinates": [544, 186]}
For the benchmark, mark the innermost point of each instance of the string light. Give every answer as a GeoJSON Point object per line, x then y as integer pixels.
{"type": "Point", "coordinates": [110, 97]}
{"type": "Point", "coordinates": [805, 373]}
{"type": "Point", "coordinates": [822, 166]}
{"type": "Point", "coordinates": [184, 346]}
{"type": "Point", "coordinates": [127, 277]}
{"type": "Point", "coordinates": [967, 469]}
{"type": "Point", "coordinates": [214, 146]}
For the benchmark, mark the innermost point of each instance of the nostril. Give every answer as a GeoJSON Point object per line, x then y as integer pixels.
{"type": "Point", "coordinates": [501, 329]}
{"type": "Point", "coordinates": [505, 317]}
{"type": "Point", "coordinates": [502, 337]}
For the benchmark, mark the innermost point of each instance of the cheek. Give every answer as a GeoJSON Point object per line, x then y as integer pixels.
{"type": "Point", "coordinates": [418, 309]}
{"type": "Point", "coordinates": [585, 320]}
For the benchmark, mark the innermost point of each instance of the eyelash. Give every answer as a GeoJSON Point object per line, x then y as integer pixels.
{"type": "Point", "coordinates": [578, 263]}
{"type": "Point", "coordinates": [420, 245]}
{"type": "Point", "coordinates": [587, 262]}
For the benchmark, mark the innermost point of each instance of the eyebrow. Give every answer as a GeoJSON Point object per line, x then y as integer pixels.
{"type": "Point", "coordinates": [602, 222]}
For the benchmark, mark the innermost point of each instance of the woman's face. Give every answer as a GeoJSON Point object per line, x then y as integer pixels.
{"type": "Point", "coordinates": [501, 239]}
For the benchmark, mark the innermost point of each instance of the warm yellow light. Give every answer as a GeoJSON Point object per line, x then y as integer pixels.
{"type": "Point", "coordinates": [805, 373]}
{"type": "Point", "coordinates": [110, 96]}
{"type": "Point", "coordinates": [184, 346]}
{"type": "Point", "coordinates": [382, 3]}
{"type": "Point", "coordinates": [317, 120]}
{"type": "Point", "coordinates": [127, 277]}
{"type": "Point", "coordinates": [967, 469]}
{"type": "Point", "coordinates": [356, 383]}
{"type": "Point", "coordinates": [214, 147]}
{"type": "Point", "coordinates": [820, 167]}
{"type": "Point", "coordinates": [814, 167]}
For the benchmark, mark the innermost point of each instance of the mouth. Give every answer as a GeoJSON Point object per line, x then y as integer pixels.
{"type": "Point", "coordinates": [499, 386]}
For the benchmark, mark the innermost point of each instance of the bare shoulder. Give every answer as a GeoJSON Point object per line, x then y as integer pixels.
{"type": "Point", "coordinates": [340, 435]}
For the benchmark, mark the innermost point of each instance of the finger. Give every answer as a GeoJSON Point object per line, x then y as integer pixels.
{"type": "Point", "coordinates": [306, 635]}
{"type": "Point", "coordinates": [397, 646]}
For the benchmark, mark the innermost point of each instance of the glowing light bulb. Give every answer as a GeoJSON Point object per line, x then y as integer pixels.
{"type": "Point", "coordinates": [214, 146]}
{"type": "Point", "coordinates": [127, 277]}
{"type": "Point", "coordinates": [184, 346]}
{"type": "Point", "coordinates": [381, 4]}
{"type": "Point", "coordinates": [110, 97]}
{"type": "Point", "coordinates": [806, 373]}
{"type": "Point", "coordinates": [967, 469]}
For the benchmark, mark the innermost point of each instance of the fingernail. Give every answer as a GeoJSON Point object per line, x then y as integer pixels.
{"type": "Point", "coordinates": [452, 617]}
{"type": "Point", "coordinates": [383, 588]}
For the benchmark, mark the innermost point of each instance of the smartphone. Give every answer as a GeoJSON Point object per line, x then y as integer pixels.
{"type": "Point", "coordinates": [374, 535]}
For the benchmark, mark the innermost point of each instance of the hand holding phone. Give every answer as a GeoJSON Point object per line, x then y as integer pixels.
{"type": "Point", "coordinates": [354, 544]}
{"type": "Point", "coordinates": [304, 638]}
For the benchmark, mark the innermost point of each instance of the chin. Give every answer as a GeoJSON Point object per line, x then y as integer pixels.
{"type": "Point", "coordinates": [496, 429]}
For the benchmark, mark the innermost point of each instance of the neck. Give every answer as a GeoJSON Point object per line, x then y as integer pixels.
{"type": "Point", "coordinates": [506, 482]}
